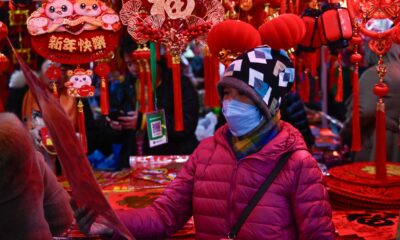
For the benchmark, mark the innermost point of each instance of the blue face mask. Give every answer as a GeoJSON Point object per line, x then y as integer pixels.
{"type": "Point", "coordinates": [241, 117]}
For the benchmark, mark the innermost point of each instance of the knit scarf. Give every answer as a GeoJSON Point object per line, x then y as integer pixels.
{"type": "Point", "coordinates": [257, 138]}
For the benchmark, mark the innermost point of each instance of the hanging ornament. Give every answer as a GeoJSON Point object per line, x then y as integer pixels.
{"type": "Point", "coordinates": [174, 26]}
{"type": "Point", "coordinates": [4, 63]}
{"type": "Point", "coordinates": [356, 59]}
{"type": "Point", "coordinates": [79, 85]}
{"type": "Point", "coordinates": [283, 32]}
{"type": "Point", "coordinates": [219, 39]}
{"type": "Point", "coordinates": [3, 31]}
{"type": "Point", "coordinates": [73, 33]}
{"type": "Point", "coordinates": [102, 70]}
{"type": "Point", "coordinates": [336, 25]}
{"type": "Point", "coordinates": [53, 73]}
{"type": "Point", "coordinates": [312, 37]}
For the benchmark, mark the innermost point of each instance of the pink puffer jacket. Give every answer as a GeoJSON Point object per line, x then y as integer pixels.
{"type": "Point", "coordinates": [215, 188]}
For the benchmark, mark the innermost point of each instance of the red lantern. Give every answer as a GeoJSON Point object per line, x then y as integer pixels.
{"type": "Point", "coordinates": [3, 31]}
{"type": "Point", "coordinates": [336, 25]}
{"type": "Point", "coordinates": [230, 38]}
{"type": "Point", "coordinates": [283, 32]}
{"type": "Point", "coordinates": [53, 73]}
{"type": "Point", "coordinates": [312, 38]}
{"type": "Point", "coordinates": [4, 63]}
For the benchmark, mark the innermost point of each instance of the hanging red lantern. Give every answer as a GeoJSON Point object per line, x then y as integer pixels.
{"type": "Point", "coordinates": [336, 25]}
{"type": "Point", "coordinates": [230, 38]}
{"type": "Point", "coordinates": [283, 32]}
{"type": "Point", "coordinates": [3, 31]}
{"type": "Point", "coordinates": [4, 62]}
{"type": "Point", "coordinates": [312, 38]}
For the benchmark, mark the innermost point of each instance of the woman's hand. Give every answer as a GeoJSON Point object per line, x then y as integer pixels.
{"type": "Point", "coordinates": [129, 121]}
{"type": "Point", "coordinates": [86, 221]}
{"type": "Point", "coordinates": [124, 122]}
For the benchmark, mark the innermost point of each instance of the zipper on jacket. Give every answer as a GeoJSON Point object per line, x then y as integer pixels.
{"type": "Point", "coordinates": [231, 209]}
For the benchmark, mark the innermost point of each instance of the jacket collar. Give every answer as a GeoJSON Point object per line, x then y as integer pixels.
{"type": "Point", "coordinates": [288, 139]}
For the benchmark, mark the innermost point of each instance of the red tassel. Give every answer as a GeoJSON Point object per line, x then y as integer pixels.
{"type": "Point", "coordinates": [306, 87]}
{"type": "Point", "coordinates": [104, 97]}
{"type": "Point", "coordinates": [332, 73]}
{"type": "Point", "coordinates": [380, 150]}
{"type": "Point", "coordinates": [81, 126]}
{"type": "Point", "coordinates": [283, 7]}
{"type": "Point", "coordinates": [169, 59]}
{"type": "Point", "coordinates": [176, 73]}
{"type": "Point", "coordinates": [339, 86]}
{"type": "Point", "coordinates": [150, 99]}
{"type": "Point", "coordinates": [207, 77]}
{"type": "Point", "coordinates": [356, 138]}
{"type": "Point", "coordinates": [214, 92]}
{"type": "Point", "coordinates": [102, 70]}
{"type": "Point", "coordinates": [294, 61]}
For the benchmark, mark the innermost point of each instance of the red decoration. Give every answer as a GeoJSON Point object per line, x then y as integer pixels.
{"type": "Point", "coordinates": [336, 25]}
{"type": "Point", "coordinates": [102, 70]}
{"type": "Point", "coordinates": [53, 73]}
{"type": "Point", "coordinates": [4, 63]}
{"type": "Point", "coordinates": [339, 86]}
{"type": "Point", "coordinates": [312, 37]}
{"type": "Point", "coordinates": [221, 44]}
{"type": "Point", "coordinates": [81, 126]}
{"type": "Point", "coordinates": [3, 31]}
{"type": "Point", "coordinates": [54, 47]}
{"type": "Point", "coordinates": [211, 77]}
{"type": "Point", "coordinates": [178, 113]}
{"type": "Point", "coordinates": [282, 32]}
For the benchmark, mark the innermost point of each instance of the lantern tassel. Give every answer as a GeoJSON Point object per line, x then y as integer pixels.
{"type": "Point", "coordinates": [380, 151]}
{"type": "Point", "coordinates": [215, 68]}
{"type": "Point", "coordinates": [306, 86]}
{"type": "Point", "coordinates": [176, 73]}
{"type": "Point", "coordinates": [81, 126]}
{"type": "Point", "coordinates": [207, 77]}
{"type": "Point", "coordinates": [356, 138]}
{"type": "Point", "coordinates": [104, 97]}
{"type": "Point", "coordinates": [339, 86]}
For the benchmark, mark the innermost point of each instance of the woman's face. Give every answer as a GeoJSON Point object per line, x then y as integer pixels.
{"type": "Point", "coordinates": [130, 64]}
{"type": "Point", "coordinates": [232, 93]}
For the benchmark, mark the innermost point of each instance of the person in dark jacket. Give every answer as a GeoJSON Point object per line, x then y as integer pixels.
{"type": "Point", "coordinates": [293, 112]}
{"type": "Point", "coordinates": [225, 171]}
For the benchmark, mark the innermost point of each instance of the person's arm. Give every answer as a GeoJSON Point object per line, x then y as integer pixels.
{"type": "Point", "coordinates": [309, 201]}
{"type": "Point", "coordinates": [169, 212]}
{"type": "Point", "coordinates": [57, 209]}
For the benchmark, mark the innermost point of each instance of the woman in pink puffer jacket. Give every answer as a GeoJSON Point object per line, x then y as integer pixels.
{"type": "Point", "coordinates": [226, 170]}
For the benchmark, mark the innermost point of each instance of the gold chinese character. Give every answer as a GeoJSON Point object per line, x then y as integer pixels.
{"type": "Point", "coordinates": [69, 45]}
{"type": "Point", "coordinates": [55, 43]}
{"type": "Point", "coordinates": [85, 45]}
{"type": "Point", "coordinates": [98, 42]}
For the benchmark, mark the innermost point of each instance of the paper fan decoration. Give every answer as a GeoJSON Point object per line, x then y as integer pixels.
{"type": "Point", "coordinates": [173, 24]}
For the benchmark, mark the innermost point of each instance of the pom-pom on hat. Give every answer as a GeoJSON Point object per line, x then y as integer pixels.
{"type": "Point", "coordinates": [263, 74]}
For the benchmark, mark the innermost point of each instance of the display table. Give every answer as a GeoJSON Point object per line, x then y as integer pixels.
{"type": "Point", "coordinates": [139, 186]}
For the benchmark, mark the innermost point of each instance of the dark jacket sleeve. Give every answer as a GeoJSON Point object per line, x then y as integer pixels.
{"type": "Point", "coordinates": [292, 111]}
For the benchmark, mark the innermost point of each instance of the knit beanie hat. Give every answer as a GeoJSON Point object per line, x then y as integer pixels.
{"type": "Point", "coordinates": [263, 74]}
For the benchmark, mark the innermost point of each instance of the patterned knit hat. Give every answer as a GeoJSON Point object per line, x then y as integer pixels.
{"type": "Point", "coordinates": [263, 74]}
